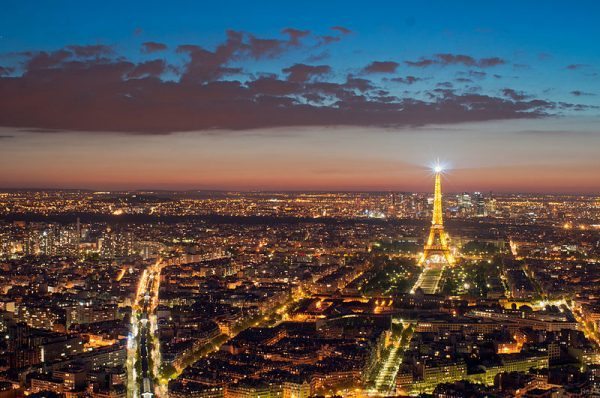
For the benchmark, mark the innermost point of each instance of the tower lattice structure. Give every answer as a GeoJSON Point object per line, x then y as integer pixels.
{"type": "Point", "coordinates": [437, 242]}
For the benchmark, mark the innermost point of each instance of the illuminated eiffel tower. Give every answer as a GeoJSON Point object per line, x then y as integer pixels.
{"type": "Point", "coordinates": [436, 249]}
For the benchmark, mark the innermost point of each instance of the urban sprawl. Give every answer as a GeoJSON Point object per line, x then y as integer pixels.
{"type": "Point", "coordinates": [294, 295]}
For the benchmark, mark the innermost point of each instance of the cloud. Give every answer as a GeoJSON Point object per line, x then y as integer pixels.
{"type": "Point", "coordinates": [44, 60]}
{"type": "Point", "coordinates": [381, 67]}
{"type": "Point", "coordinates": [477, 74]}
{"type": "Point", "coordinates": [5, 70]}
{"type": "Point", "coordinates": [206, 65]}
{"type": "Point", "coordinates": [41, 130]}
{"type": "Point", "coordinates": [98, 98]}
{"type": "Point", "coordinates": [456, 59]}
{"type": "Point", "coordinates": [448, 59]}
{"type": "Point", "coordinates": [514, 95]}
{"type": "Point", "coordinates": [90, 88]}
{"type": "Point", "coordinates": [150, 47]}
{"type": "Point", "coordinates": [359, 84]}
{"type": "Point", "coordinates": [489, 62]}
{"type": "Point", "coordinates": [95, 50]}
{"type": "Point", "coordinates": [295, 35]}
{"type": "Point", "coordinates": [271, 85]}
{"type": "Point", "coordinates": [341, 29]}
{"type": "Point", "coordinates": [303, 72]}
{"type": "Point", "coordinates": [579, 93]}
{"type": "Point", "coordinates": [266, 48]}
{"type": "Point", "coordinates": [421, 63]}
{"type": "Point", "coordinates": [72, 54]}
{"type": "Point", "coordinates": [575, 107]}
{"type": "Point", "coordinates": [318, 56]}
{"type": "Point", "coordinates": [153, 68]}
{"type": "Point", "coordinates": [406, 80]}
{"type": "Point", "coordinates": [328, 39]}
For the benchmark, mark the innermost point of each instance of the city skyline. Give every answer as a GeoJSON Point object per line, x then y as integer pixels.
{"type": "Point", "coordinates": [270, 98]}
{"type": "Point", "coordinates": [249, 295]}
{"type": "Point", "coordinates": [316, 199]}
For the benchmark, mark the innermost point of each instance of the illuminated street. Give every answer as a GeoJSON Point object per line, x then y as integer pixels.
{"type": "Point", "coordinates": [143, 353]}
{"type": "Point", "coordinates": [383, 381]}
{"type": "Point", "coordinates": [429, 280]}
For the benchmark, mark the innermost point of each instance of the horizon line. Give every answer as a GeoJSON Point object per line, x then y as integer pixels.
{"type": "Point", "coordinates": [222, 190]}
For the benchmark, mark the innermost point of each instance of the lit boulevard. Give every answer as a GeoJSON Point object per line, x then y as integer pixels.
{"type": "Point", "coordinates": [143, 347]}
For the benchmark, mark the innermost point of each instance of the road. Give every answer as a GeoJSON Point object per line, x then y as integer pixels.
{"type": "Point", "coordinates": [429, 280]}
{"type": "Point", "coordinates": [143, 350]}
{"type": "Point", "coordinates": [382, 383]}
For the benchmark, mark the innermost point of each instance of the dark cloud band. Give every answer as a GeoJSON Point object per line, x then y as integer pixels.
{"type": "Point", "coordinates": [90, 88]}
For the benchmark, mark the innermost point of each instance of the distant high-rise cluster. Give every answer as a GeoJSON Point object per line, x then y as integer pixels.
{"type": "Point", "coordinates": [475, 204]}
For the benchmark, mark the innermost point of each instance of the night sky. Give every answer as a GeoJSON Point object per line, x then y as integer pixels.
{"type": "Point", "coordinates": [300, 95]}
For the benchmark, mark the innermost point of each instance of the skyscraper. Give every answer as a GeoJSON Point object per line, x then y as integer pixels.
{"type": "Point", "coordinates": [479, 201]}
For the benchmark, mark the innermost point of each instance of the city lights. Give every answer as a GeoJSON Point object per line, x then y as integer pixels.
{"type": "Point", "coordinates": [235, 282]}
{"type": "Point", "coordinates": [299, 200]}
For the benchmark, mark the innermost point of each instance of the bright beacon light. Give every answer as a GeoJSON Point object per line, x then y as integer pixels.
{"type": "Point", "coordinates": [438, 167]}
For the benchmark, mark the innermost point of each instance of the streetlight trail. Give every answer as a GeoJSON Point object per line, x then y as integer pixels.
{"type": "Point", "coordinates": [143, 348]}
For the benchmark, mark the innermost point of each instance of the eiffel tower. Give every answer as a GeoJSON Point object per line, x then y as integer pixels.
{"type": "Point", "coordinates": [436, 250]}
